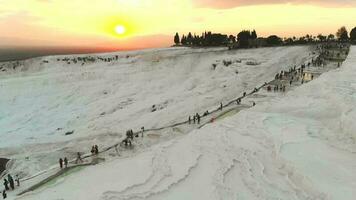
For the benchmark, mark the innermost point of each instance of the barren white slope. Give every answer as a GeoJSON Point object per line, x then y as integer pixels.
{"type": "Point", "coordinates": [101, 100]}
{"type": "Point", "coordinates": [301, 146]}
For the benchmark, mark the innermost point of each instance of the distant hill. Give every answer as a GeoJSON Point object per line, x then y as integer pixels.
{"type": "Point", "coordinates": [12, 54]}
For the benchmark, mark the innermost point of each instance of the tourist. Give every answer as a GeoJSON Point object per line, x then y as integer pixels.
{"type": "Point", "coordinates": [11, 181]}
{"type": "Point", "coordinates": [79, 158]}
{"type": "Point", "coordinates": [17, 179]}
{"type": "Point", "coordinates": [65, 162]}
{"type": "Point", "coordinates": [92, 151]}
{"type": "Point", "coordinates": [6, 184]}
{"type": "Point", "coordinates": [4, 195]}
{"type": "Point", "coordinates": [96, 148]}
{"type": "Point", "coordinates": [61, 163]}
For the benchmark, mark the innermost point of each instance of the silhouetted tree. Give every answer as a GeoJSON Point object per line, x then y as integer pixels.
{"type": "Point", "coordinates": [274, 40]}
{"type": "Point", "coordinates": [342, 34]}
{"type": "Point", "coordinates": [253, 35]}
{"type": "Point", "coordinates": [232, 39]}
{"type": "Point", "coordinates": [243, 38]}
{"type": "Point", "coordinates": [288, 41]}
{"type": "Point", "coordinates": [321, 38]}
{"type": "Point", "coordinates": [176, 39]}
{"type": "Point", "coordinates": [189, 38]}
{"type": "Point", "coordinates": [331, 37]}
{"type": "Point", "coordinates": [353, 35]}
{"type": "Point", "coordinates": [184, 40]}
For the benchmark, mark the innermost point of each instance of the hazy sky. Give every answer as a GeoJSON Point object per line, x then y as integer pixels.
{"type": "Point", "coordinates": [152, 23]}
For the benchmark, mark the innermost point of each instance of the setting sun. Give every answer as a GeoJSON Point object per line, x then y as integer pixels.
{"type": "Point", "coordinates": [120, 29]}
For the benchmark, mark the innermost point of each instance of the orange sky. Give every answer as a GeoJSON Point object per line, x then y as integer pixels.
{"type": "Point", "coordinates": [152, 23]}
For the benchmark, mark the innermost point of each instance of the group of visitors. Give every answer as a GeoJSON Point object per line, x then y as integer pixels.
{"type": "Point", "coordinates": [63, 162]}
{"type": "Point", "coordinates": [9, 183]}
{"type": "Point", "coordinates": [196, 118]}
{"type": "Point", "coordinates": [94, 150]}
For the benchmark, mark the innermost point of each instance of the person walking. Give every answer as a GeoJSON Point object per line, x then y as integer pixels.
{"type": "Point", "coordinates": [189, 120]}
{"type": "Point", "coordinates": [4, 195]}
{"type": "Point", "coordinates": [198, 117]}
{"type": "Point", "coordinates": [60, 163]}
{"type": "Point", "coordinates": [11, 181]}
{"type": "Point", "coordinates": [96, 149]}
{"type": "Point", "coordinates": [65, 162]}
{"type": "Point", "coordinates": [79, 158]}
{"type": "Point", "coordinates": [92, 151]}
{"type": "Point", "coordinates": [17, 179]}
{"type": "Point", "coordinates": [143, 130]}
{"type": "Point", "coordinates": [6, 184]}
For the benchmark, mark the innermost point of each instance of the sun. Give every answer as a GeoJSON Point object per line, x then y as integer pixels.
{"type": "Point", "coordinates": [120, 29]}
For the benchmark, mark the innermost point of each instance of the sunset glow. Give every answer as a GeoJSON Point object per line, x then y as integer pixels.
{"type": "Point", "coordinates": [120, 29]}
{"type": "Point", "coordinates": [136, 23]}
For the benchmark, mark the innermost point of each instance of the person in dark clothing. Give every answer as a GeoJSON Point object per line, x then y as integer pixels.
{"type": "Point", "coordinates": [143, 130]}
{"type": "Point", "coordinates": [17, 179]}
{"type": "Point", "coordinates": [4, 195]}
{"type": "Point", "coordinates": [65, 162]}
{"type": "Point", "coordinates": [96, 149]}
{"type": "Point", "coordinates": [244, 94]}
{"type": "Point", "coordinates": [198, 118]}
{"type": "Point", "coordinates": [79, 158]}
{"type": "Point", "coordinates": [61, 163]}
{"type": "Point", "coordinates": [194, 118]}
{"type": "Point", "coordinates": [11, 181]}
{"type": "Point", "coordinates": [206, 113]}
{"type": "Point", "coordinates": [221, 106]}
{"type": "Point", "coordinates": [189, 119]}
{"type": "Point", "coordinates": [92, 151]}
{"type": "Point", "coordinates": [290, 82]}
{"type": "Point", "coordinates": [6, 184]}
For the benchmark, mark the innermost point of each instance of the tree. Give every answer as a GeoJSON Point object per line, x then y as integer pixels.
{"type": "Point", "coordinates": [184, 40]}
{"type": "Point", "coordinates": [176, 39]}
{"type": "Point", "coordinates": [253, 35]}
{"type": "Point", "coordinates": [232, 39]}
{"type": "Point", "coordinates": [189, 39]}
{"type": "Point", "coordinates": [288, 41]}
{"type": "Point", "coordinates": [331, 37]}
{"type": "Point", "coordinates": [274, 40]}
{"type": "Point", "coordinates": [353, 35]}
{"type": "Point", "coordinates": [342, 34]}
{"type": "Point", "coordinates": [243, 38]}
{"type": "Point", "coordinates": [321, 38]}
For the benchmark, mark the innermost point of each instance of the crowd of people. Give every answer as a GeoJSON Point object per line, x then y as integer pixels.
{"type": "Point", "coordinates": [63, 162]}
{"type": "Point", "coordinates": [9, 184]}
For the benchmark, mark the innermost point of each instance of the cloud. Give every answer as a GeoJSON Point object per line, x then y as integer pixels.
{"type": "Point", "coordinates": [225, 4]}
